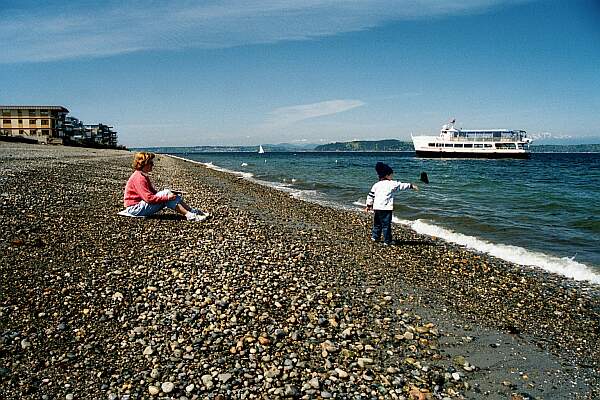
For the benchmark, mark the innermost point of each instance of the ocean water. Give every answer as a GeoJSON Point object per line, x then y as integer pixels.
{"type": "Point", "coordinates": [542, 212]}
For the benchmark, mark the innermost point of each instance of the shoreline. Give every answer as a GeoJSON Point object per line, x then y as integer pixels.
{"type": "Point", "coordinates": [535, 259]}
{"type": "Point", "coordinates": [274, 297]}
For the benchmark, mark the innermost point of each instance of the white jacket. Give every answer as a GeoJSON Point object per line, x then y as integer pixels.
{"type": "Point", "coordinates": [381, 196]}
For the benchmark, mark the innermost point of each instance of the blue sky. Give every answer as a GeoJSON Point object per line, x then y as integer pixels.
{"type": "Point", "coordinates": [239, 72]}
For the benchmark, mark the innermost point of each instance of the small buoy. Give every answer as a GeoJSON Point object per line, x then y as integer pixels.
{"type": "Point", "coordinates": [424, 177]}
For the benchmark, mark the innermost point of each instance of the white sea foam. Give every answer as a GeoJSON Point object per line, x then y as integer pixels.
{"type": "Point", "coordinates": [564, 266]}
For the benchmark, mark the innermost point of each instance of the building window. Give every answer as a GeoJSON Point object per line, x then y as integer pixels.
{"type": "Point", "coordinates": [45, 132]}
{"type": "Point", "coordinates": [44, 122]}
{"type": "Point", "coordinates": [44, 113]}
{"type": "Point", "coordinates": [6, 113]}
{"type": "Point", "coordinates": [20, 121]}
{"type": "Point", "coordinates": [21, 132]}
{"type": "Point", "coordinates": [32, 131]}
{"type": "Point", "coordinates": [32, 121]}
{"type": "Point", "coordinates": [7, 121]}
{"type": "Point", "coordinates": [31, 112]}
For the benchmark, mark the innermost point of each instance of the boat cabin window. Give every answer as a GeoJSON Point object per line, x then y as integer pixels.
{"type": "Point", "coordinates": [487, 145]}
{"type": "Point", "coordinates": [431, 144]}
{"type": "Point", "coordinates": [505, 146]}
{"type": "Point", "coordinates": [439, 145]}
{"type": "Point", "coordinates": [468, 145]}
{"type": "Point", "coordinates": [447, 144]}
{"type": "Point", "coordinates": [478, 145]}
{"type": "Point", "coordinates": [458, 145]}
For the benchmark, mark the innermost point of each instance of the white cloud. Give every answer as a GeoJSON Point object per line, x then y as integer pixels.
{"type": "Point", "coordinates": [33, 32]}
{"type": "Point", "coordinates": [288, 115]}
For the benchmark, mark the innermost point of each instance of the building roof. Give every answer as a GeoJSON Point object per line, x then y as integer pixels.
{"type": "Point", "coordinates": [58, 108]}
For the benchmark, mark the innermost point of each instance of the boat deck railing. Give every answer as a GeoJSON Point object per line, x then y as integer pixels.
{"type": "Point", "coordinates": [483, 139]}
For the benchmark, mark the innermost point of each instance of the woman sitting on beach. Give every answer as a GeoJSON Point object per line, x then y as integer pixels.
{"type": "Point", "coordinates": [142, 200]}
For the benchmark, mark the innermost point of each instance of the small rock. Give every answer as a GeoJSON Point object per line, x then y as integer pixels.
{"type": "Point", "coordinates": [362, 362]}
{"type": "Point", "coordinates": [207, 381]}
{"type": "Point", "coordinates": [167, 387]}
{"type": "Point", "coordinates": [290, 391]}
{"type": "Point", "coordinates": [341, 373]}
{"type": "Point", "coordinates": [314, 383]}
{"type": "Point", "coordinates": [264, 341]}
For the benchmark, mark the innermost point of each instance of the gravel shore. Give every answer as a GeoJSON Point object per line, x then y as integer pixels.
{"type": "Point", "coordinates": [271, 298]}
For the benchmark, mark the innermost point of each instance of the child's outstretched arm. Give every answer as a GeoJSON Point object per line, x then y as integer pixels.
{"type": "Point", "coordinates": [370, 200]}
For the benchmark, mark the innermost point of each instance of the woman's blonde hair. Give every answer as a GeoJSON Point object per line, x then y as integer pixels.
{"type": "Point", "coordinates": [141, 158]}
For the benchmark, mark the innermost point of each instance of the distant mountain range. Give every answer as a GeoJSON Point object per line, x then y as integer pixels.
{"type": "Point", "coordinates": [358, 145]}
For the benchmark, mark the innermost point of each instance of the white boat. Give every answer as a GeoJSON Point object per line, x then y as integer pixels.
{"type": "Point", "coordinates": [260, 149]}
{"type": "Point", "coordinates": [471, 143]}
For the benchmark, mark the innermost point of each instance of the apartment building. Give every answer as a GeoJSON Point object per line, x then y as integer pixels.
{"type": "Point", "coordinates": [101, 134]}
{"type": "Point", "coordinates": [41, 123]}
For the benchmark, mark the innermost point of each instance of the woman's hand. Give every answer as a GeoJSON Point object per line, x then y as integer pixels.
{"type": "Point", "coordinates": [171, 196]}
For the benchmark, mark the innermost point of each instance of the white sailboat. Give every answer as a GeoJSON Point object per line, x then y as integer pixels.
{"type": "Point", "coordinates": [261, 150]}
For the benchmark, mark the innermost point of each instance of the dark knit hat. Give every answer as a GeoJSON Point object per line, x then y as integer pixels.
{"type": "Point", "coordinates": [383, 169]}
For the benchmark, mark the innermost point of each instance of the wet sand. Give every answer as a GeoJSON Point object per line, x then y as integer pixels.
{"type": "Point", "coordinates": [271, 298]}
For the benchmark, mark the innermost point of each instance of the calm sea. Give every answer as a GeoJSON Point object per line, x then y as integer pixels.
{"type": "Point", "coordinates": [542, 212]}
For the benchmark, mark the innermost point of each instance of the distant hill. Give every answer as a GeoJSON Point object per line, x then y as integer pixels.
{"type": "Point", "coordinates": [367, 145]}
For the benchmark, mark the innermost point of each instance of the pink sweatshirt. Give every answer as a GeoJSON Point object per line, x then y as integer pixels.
{"type": "Point", "coordinates": [139, 188]}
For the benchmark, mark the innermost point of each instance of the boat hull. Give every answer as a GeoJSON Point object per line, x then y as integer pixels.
{"type": "Point", "coordinates": [464, 154]}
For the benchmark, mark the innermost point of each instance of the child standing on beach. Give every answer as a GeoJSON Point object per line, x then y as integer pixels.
{"type": "Point", "coordinates": [381, 200]}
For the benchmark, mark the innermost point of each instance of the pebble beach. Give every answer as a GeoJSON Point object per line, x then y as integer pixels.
{"type": "Point", "coordinates": [273, 297]}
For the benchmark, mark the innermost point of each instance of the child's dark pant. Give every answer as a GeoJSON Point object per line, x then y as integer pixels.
{"type": "Point", "coordinates": [382, 222]}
